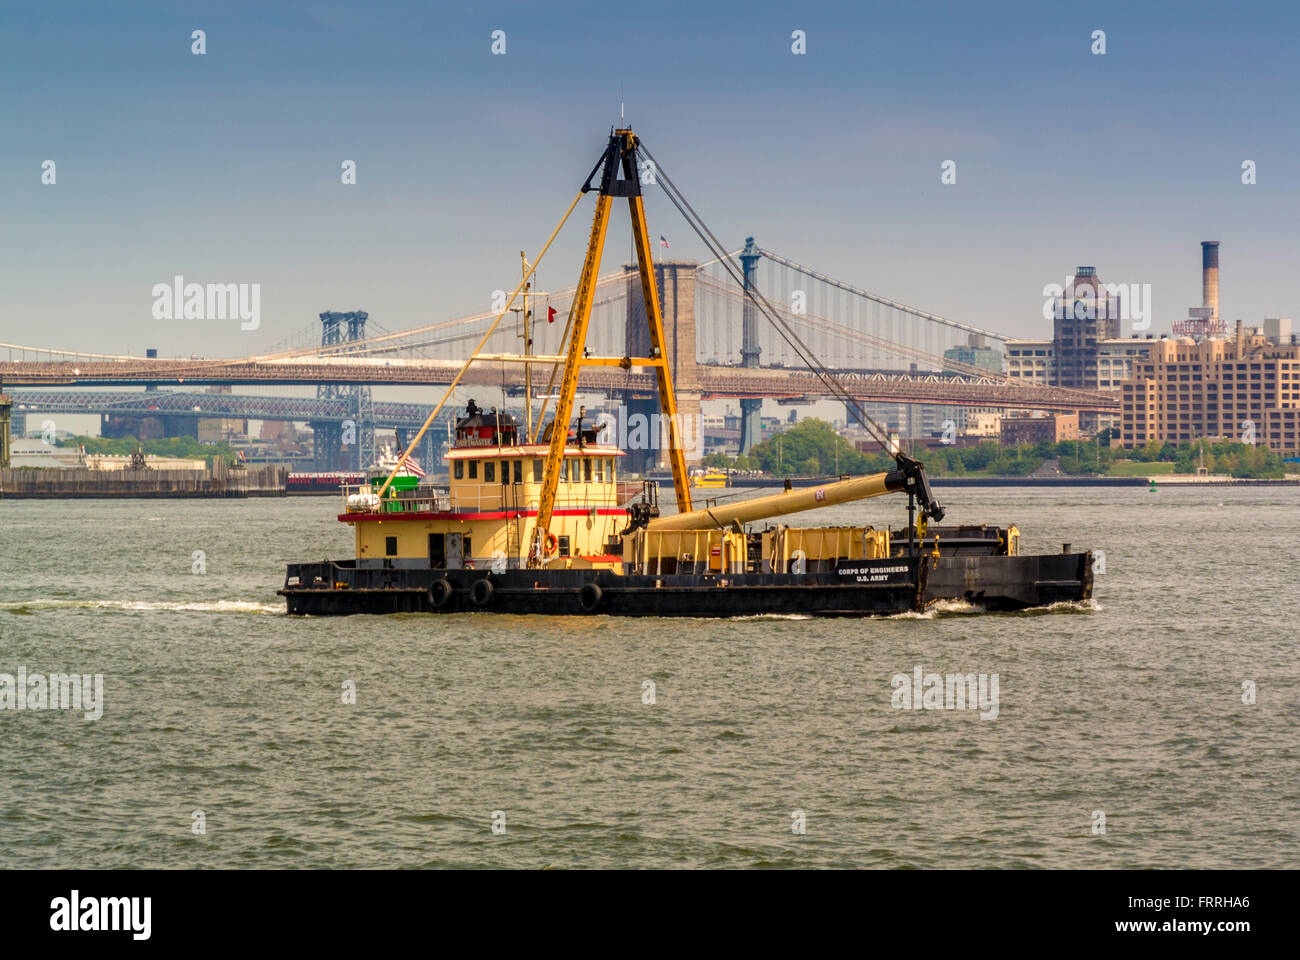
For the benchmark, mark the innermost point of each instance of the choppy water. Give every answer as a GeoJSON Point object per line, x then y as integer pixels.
{"type": "Point", "coordinates": [216, 701]}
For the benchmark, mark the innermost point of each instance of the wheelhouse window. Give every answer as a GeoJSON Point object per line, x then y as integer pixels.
{"type": "Point", "coordinates": [473, 469]}
{"type": "Point", "coordinates": [458, 470]}
{"type": "Point", "coordinates": [489, 471]}
{"type": "Point", "coordinates": [600, 469]}
{"type": "Point", "coordinates": [519, 471]}
{"type": "Point", "coordinates": [539, 470]}
{"type": "Point", "coordinates": [390, 546]}
{"type": "Point", "coordinates": [586, 469]}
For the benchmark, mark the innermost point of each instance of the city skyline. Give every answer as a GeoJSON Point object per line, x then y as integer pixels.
{"type": "Point", "coordinates": [224, 167]}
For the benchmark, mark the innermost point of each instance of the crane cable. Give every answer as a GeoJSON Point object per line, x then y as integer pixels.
{"type": "Point", "coordinates": [401, 461]}
{"type": "Point", "coordinates": [760, 301]}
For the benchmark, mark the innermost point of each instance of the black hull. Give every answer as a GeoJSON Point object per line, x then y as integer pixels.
{"type": "Point", "coordinates": [855, 589]}
{"type": "Point", "coordinates": [999, 583]}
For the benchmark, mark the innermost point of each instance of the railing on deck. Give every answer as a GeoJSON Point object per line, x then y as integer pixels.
{"type": "Point", "coordinates": [470, 498]}
{"type": "Point", "coordinates": [363, 498]}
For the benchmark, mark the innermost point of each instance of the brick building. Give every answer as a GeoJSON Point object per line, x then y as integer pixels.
{"type": "Point", "coordinates": [1241, 388]}
{"type": "Point", "coordinates": [1053, 429]}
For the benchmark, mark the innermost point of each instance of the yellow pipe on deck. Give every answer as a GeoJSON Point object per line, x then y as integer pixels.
{"type": "Point", "coordinates": [778, 504]}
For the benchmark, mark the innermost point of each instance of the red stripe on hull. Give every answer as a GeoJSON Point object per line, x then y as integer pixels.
{"type": "Point", "coordinates": [495, 515]}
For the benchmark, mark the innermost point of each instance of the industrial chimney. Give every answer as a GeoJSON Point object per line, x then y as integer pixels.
{"type": "Point", "coordinates": [1210, 279]}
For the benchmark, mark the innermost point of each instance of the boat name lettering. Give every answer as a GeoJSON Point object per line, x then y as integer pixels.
{"type": "Point", "coordinates": [870, 574]}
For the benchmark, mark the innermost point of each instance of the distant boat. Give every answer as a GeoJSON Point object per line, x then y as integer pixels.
{"type": "Point", "coordinates": [711, 479]}
{"type": "Point", "coordinates": [386, 462]}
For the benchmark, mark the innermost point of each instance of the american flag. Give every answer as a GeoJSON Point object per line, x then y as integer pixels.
{"type": "Point", "coordinates": [413, 466]}
{"type": "Point", "coordinates": [663, 241]}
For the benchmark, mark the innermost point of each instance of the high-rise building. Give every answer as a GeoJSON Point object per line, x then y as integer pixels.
{"type": "Point", "coordinates": [1242, 388]}
{"type": "Point", "coordinates": [976, 354]}
{"type": "Point", "coordinates": [1083, 316]}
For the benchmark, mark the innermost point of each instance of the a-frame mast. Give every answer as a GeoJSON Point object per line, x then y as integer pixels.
{"type": "Point", "coordinates": [619, 154]}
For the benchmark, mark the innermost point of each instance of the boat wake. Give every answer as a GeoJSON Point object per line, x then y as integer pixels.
{"type": "Point", "coordinates": [957, 608]}
{"type": "Point", "coordinates": [1064, 606]}
{"type": "Point", "coordinates": [146, 606]}
{"type": "Point", "coordinates": [940, 608]}
{"type": "Point", "coordinates": [767, 616]}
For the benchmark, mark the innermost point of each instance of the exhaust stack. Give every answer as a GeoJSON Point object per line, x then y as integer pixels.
{"type": "Point", "coordinates": [1210, 279]}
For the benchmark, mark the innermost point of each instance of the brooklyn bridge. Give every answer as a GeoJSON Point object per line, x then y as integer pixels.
{"type": "Point", "coordinates": [880, 349]}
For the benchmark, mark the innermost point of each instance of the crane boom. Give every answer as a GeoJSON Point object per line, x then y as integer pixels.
{"type": "Point", "coordinates": [908, 479]}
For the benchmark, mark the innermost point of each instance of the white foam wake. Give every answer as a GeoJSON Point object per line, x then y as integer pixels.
{"type": "Point", "coordinates": [186, 606]}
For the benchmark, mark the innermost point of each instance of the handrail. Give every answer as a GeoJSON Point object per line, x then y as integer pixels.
{"type": "Point", "coordinates": [468, 498]}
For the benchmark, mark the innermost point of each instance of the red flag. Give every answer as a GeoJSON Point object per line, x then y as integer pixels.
{"type": "Point", "coordinates": [550, 314]}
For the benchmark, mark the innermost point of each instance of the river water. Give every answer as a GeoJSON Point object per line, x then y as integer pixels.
{"type": "Point", "coordinates": [215, 702]}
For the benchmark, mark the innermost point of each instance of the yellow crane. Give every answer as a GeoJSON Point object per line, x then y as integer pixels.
{"type": "Point", "coordinates": [619, 155]}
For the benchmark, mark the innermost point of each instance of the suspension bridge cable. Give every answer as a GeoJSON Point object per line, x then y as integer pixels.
{"type": "Point", "coordinates": [801, 349]}
{"type": "Point", "coordinates": [415, 441]}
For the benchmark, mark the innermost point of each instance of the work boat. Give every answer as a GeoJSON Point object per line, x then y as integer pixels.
{"type": "Point", "coordinates": [535, 521]}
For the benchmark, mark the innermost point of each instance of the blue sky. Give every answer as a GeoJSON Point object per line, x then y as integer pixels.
{"type": "Point", "coordinates": [225, 167]}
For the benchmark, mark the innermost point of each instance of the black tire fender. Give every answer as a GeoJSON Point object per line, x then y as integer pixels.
{"type": "Point", "coordinates": [589, 596]}
{"type": "Point", "coordinates": [480, 592]}
{"type": "Point", "coordinates": [440, 593]}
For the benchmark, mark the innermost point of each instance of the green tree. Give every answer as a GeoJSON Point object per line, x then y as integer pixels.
{"type": "Point", "coordinates": [809, 448]}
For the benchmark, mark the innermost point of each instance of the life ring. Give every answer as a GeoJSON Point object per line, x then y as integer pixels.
{"type": "Point", "coordinates": [440, 593]}
{"type": "Point", "coordinates": [480, 592]}
{"type": "Point", "coordinates": [552, 543]}
{"type": "Point", "coordinates": [589, 596]}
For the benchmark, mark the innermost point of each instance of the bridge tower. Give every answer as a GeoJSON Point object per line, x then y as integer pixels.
{"type": "Point", "coordinates": [5, 407]}
{"type": "Point", "coordinates": [676, 281]}
{"type": "Point", "coordinates": [751, 410]}
{"type": "Point", "coordinates": [339, 446]}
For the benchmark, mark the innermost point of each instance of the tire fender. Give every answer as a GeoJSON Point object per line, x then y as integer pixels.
{"type": "Point", "coordinates": [480, 592]}
{"type": "Point", "coordinates": [589, 596]}
{"type": "Point", "coordinates": [440, 593]}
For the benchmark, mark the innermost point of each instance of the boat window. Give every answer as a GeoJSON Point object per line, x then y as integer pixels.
{"type": "Point", "coordinates": [609, 469]}
{"type": "Point", "coordinates": [390, 546]}
{"type": "Point", "coordinates": [519, 471]}
{"type": "Point", "coordinates": [505, 471]}
{"type": "Point", "coordinates": [489, 471]}
{"type": "Point", "coordinates": [600, 469]}
{"type": "Point", "coordinates": [467, 551]}
{"type": "Point", "coordinates": [563, 544]}
{"type": "Point", "coordinates": [458, 471]}
{"type": "Point", "coordinates": [473, 469]}
{"type": "Point", "coordinates": [539, 470]}
{"type": "Point", "coordinates": [564, 470]}
{"type": "Point", "coordinates": [586, 469]}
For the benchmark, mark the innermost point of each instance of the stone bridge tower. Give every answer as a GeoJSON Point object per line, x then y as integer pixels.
{"type": "Point", "coordinates": [676, 279]}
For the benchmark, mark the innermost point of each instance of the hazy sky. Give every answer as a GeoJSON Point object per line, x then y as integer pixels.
{"type": "Point", "coordinates": [226, 167]}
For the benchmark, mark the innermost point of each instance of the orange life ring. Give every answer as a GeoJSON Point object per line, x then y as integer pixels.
{"type": "Point", "coordinates": [552, 543]}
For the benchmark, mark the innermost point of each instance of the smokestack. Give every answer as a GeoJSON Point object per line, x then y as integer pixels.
{"type": "Point", "coordinates": [1210, 277]}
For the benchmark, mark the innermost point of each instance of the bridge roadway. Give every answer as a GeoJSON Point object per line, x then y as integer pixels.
{"type": "Point", "coordinates": [708, 381]}
{"type": "Point", "coordinates": [232, 405]}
